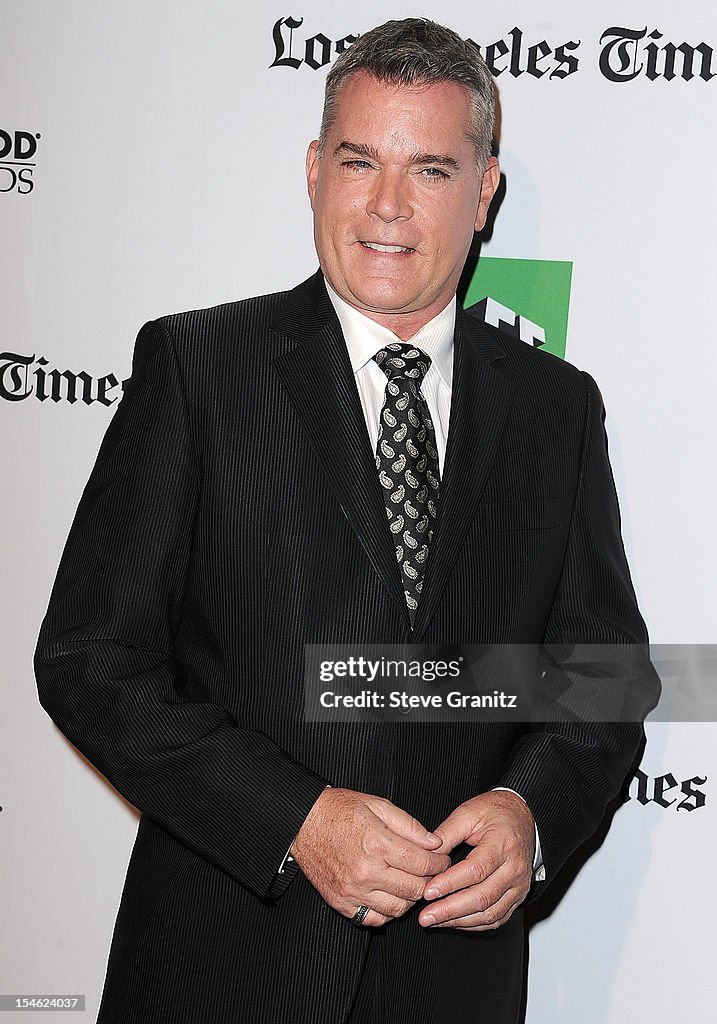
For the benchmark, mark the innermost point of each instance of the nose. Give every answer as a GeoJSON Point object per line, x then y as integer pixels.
{"type": "Point", "coordinates": [388, 198]}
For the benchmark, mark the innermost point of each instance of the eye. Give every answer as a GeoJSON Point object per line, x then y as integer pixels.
{"type": "Point", "coordinates": [357, 165]}
{"type": "Point", "coordinates": [433, 172]}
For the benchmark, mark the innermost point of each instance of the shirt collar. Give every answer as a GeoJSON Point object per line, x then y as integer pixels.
{"type": "Point", "coordinates": [364, 337]}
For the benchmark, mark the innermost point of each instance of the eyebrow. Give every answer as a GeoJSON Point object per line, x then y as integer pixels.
{"type": "Point", "coordinates": [358, 149]}
{"type": "Point", "coordinates": [362, 150]}
{"type": "Point", "coordinates": [435, 158]}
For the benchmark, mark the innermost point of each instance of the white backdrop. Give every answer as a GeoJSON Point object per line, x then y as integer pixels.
{"type": "Point", "coordinates": [167, 175]}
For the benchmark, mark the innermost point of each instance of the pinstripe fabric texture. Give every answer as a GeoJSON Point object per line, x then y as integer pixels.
{"type": "Point", "coordinates": [172, 651]}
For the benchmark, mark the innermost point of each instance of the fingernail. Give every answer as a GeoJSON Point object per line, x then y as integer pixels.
{"type": "Point", "coordinates": [431, 836]}
{"type": "Point", "coordinates": [430, 894]}
{"type": "Point", "coordinates": [429, 920]}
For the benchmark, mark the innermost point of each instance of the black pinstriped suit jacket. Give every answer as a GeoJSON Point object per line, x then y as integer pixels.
{"type": "Point", "coordinates": [234, 514]}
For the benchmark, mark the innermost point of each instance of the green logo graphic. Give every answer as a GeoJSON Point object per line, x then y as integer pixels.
{"type": "Point", "coordinates": [527, 298]}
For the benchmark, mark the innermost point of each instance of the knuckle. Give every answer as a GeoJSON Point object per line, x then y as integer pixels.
{"type": "Point", "coordinates": [483, 903]}
{"type": "Point", "coordinates": [491, 917]}
{"type": "Point", "coordinates": [361, 872]}
{"type": "Point", "coordinates": [492, 925]}
{"type": "Point", "coordinates": [439, 861]}
{"type": "Point", "coordinates": [388, 909]}
{"type": "Point", "coordinates": [475, 871]}
{"type": "Point", "coordinates": [372, 843]}
{"type": "Point", "coordinates": [415, 891]}
{"type": "Point", "coordinates": [398, 907]}
{"type": "Point", "coordinates": [416, 895]}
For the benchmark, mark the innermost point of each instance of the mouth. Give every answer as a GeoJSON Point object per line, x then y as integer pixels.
{"type": "Point", "coordinates": [378, 247]}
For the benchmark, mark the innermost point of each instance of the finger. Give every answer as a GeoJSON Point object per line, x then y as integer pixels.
{"type": "Point", "coordinates": [404, 825]}
{"type": "Point", "coordinates": [404, 885]}
{"type": "Point", "coordinates": [376, 873]}
{"type": "Point", "coordinates": [381, 905]}
{"type": "Point", "coordinates": [489, 920]}
{"type": "Point", "coordinates": [390, 894]}
{"type": "Point", "coordinates": [372, 920]}
{"type": "Point", "coordinates": [476, 899]}
{"type": "Point", "coordinates": [454, 829]}
{"type": "Point", "coordinates": [404, 855]}
{"type": "Point", "coordinates": [475, 869]}
{"type": "Point", "coordinates": [381, 842]}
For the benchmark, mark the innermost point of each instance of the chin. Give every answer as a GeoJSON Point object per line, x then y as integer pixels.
{"type": "Point", "coordinates": [383, 300]}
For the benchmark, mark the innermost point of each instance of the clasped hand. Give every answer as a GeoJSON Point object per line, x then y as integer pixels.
{"type": "Point", "coordinates": [482, 891]}
{"type": "Point", "coordinates": [358, 849]}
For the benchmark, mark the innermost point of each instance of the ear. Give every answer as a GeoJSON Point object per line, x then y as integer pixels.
{"type": "Point", "coordinates": [312, 169]}
{"type": "Point", "coordinates": [489, 184]}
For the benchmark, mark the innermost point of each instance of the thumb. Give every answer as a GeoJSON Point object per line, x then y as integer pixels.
{"type": "Point", "coordinates": [454, 830]}
{"type": "Point", "coordinates": [405, 826]}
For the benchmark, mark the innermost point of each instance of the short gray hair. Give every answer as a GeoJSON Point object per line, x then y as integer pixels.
{"type": "Point", "coordinates": [416, 51]}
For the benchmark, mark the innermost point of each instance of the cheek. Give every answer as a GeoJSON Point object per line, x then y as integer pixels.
{"type": "Point", "coordinates": [332, 212]}
{"type": "Point", "coordinates": [444, 228]}
{"type": "Point", "coordinates": [457, 242]}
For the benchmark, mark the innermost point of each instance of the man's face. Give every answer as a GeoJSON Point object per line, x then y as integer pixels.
{"type": "Point", "coordinates": [396, 196]}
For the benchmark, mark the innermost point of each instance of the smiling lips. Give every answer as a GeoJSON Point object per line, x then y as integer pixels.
{"type": "Point", "coordinates": [377, 247]}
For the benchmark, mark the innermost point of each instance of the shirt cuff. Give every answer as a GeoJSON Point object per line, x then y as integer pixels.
{"type": "Point", "coordinates": [288, 859]}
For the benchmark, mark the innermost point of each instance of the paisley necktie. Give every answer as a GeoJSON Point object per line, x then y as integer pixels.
{"type": "Point", "coordinates": [407, 463]}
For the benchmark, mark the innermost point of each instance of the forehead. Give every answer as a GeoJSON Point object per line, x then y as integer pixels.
{"type": "Point", "coordinates": [432, 118]}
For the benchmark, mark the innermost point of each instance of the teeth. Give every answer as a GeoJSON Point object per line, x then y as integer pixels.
{"type": "Point", "coordinates": [387, 248]}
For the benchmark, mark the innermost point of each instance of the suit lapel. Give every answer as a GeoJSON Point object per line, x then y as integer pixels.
{"type": "Point", "coordinates": [480, 400]}
{"type": "Point", "coordinates": [319, 380]}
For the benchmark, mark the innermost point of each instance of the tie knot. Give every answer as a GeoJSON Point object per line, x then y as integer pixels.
{"type": "Point", "coordinates": [399, 360]}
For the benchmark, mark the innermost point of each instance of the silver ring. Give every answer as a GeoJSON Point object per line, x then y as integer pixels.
{"type": "Point", "coordinates": [360, 915]}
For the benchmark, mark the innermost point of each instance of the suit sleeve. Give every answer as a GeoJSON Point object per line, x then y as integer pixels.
{"type": "Point", "coordinates": [596, 656]}
{"type": "Point", "coordinates": [105, 663]}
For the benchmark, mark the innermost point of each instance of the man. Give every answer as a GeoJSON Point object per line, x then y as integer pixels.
{"type": "Point", "coordinates": [254, 494]}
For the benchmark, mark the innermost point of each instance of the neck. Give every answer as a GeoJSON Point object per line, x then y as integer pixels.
{"type": "Point", "coordinates": [403, 325]}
